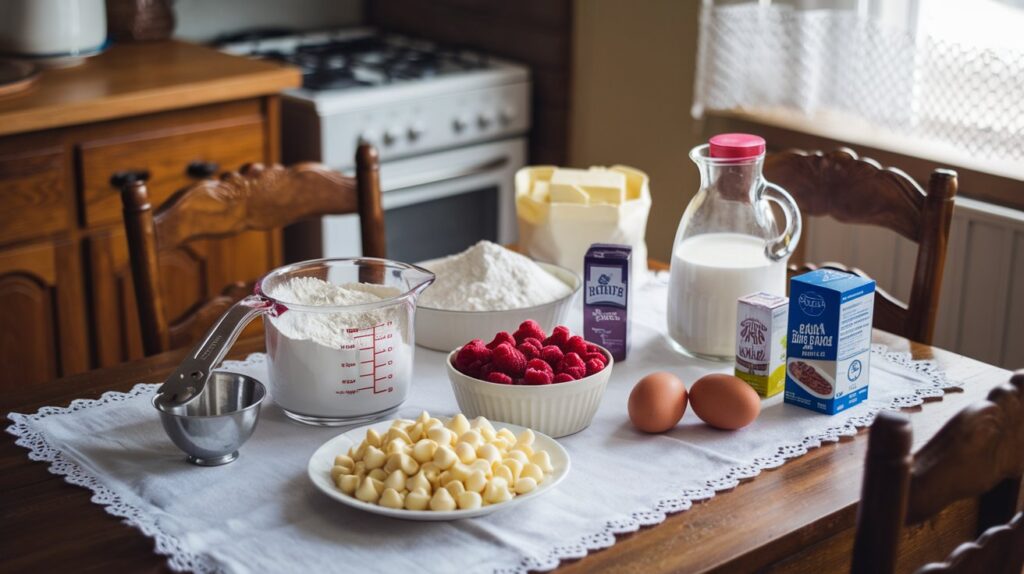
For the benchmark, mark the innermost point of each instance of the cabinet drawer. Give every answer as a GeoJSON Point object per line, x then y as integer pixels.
{"type": "Point", "coordinates": [166, 157]}
{"type": "Point", "coordinates": [33, 202]}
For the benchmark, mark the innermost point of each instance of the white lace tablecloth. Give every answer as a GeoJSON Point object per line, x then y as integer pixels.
{"type": "Point", "coordinates": [261, 513]}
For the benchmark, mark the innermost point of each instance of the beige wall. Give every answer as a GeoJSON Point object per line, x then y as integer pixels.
{"type": "Point", "coordinates": [633, 86]}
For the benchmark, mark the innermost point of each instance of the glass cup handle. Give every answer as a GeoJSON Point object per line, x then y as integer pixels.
{"type": "Point", "coordinates": [189, 379]}
{"type": "Point", "coordinates": [783, 245]}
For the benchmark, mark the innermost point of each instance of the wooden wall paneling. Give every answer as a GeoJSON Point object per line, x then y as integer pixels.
{"type": "Point", "coordinates": [537, 33]}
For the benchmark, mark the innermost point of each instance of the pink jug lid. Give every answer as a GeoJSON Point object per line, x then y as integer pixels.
{"type": "Point", "coordinates": [736, 146]}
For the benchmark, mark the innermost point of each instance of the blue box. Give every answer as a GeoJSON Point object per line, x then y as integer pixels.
{"type": "Point", "coordinates": [829, 340]}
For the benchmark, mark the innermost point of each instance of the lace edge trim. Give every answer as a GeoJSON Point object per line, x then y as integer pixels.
{"type": "Point", "coordinates": [180, 560]}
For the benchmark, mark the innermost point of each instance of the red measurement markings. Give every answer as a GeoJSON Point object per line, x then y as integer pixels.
{"type": "Point", "coordinates": [376, 340]}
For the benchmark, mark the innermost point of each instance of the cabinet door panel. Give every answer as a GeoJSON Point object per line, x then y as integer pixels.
{"type": "Point", "coordinates": [42, 334]}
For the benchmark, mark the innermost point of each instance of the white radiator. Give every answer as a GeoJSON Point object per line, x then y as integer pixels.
{"type": "Point", "coordinates": [981, 313]}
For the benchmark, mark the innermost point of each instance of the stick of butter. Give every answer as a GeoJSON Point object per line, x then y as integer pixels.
{"type": "Point", "coordinates": [598, 185]}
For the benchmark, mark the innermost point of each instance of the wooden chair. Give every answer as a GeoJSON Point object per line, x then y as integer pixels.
{"type": "Point", "coordinates": [858, 190]}
{"type": "Point", "coordinates": [254, 198]}
{"type": "Point", "coordinates": [979, 453]}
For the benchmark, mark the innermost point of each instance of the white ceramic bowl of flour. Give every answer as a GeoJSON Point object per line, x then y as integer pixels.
{"type": "Point", "coordinates": [507, 277]}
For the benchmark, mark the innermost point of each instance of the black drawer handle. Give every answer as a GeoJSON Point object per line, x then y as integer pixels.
{"type": "Point", "coordinates": [121, 179]}
{"type": "Point", "coordinates": [202, 169]}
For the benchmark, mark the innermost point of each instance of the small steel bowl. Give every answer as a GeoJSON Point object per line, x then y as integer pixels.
{"type": "Point", "coordinates": [213, 426]}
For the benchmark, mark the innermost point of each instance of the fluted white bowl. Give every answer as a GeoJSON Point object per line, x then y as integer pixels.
{"type": "Point", "coordinates": [557, 410]}
{"type": "Point", "coordinates": [443, 330]}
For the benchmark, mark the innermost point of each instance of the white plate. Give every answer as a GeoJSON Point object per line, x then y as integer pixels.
{"type": "Point", "coordinates": [323, 459]}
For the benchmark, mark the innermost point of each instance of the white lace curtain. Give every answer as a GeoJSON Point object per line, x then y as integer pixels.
{"type": "Point", "coordinates": [949, 71]}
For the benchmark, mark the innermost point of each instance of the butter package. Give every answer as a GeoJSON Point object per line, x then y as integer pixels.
{"type": "Point", "coordinates": [829, 348]}
{"type": "Point", "coordinates": [606, 278]}
{"type": "Point", "coordinates": [761, 321]}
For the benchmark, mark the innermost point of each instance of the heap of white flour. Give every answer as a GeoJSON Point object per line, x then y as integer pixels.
{"type": "Point", "coordinates": [488, 277]}
{"type": "Point", "coordinates": [329, 329]}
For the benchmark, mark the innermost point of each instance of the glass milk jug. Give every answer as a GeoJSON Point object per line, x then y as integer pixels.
{"type": "Point", "coordinates": [728, 245]}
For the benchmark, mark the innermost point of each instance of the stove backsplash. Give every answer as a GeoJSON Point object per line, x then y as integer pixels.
{"type": "Point", "coordinates": [202, 20]}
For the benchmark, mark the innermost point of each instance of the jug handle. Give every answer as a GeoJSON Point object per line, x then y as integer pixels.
{"type": "Point", "coordinates": [189, 379]}
{"type": "Point", "coordinates": [782, 246]}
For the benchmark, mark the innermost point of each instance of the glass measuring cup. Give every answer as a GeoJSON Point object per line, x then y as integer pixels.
{"type": "Point", "coordinates": [330, 364]}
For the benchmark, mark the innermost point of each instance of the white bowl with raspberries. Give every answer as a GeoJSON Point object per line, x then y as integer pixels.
{"type": "Point", "coordinates": [550, 383]}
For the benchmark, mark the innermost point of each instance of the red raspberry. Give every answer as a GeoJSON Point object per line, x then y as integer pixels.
{"type": "Point", "coordinates": [592, 348]}
{"type": "Point", "coordinates": [499, 378]}
{"type": "Point", "coordinates": [597, 356]}
{"type": "Point", "coordinates": [501, 337]}
{"type": "Point", "coordinates": [594, 366]}
{"type": "Point", "coordinates": [575, 344]}
{"type": "Point", "coordinates": [508, 360]}
{"type": "Point", "coordinates": [470, 353]}
{"type": "Point", "coordinates": [558, 337]}
{"type": "Point", "coordinates": [485, 370]}
{"type": "Point", "coordinates": [529, 329]}
{"type": "Point", "coordinates": [473, 369]}
{"type": "Point", "coordinates": [540, 365]}
{"type": "Point", "coordinates": [528, 350]}
{"type": "Point", "coordinates": [563, 378]}
{"type": "Point", "coordinates": [538, 377]}
{"type": "Point", "coordinates": [576, 372]}
{"type": "Point", "coordinates": [571, 361]}
{"type": "Point", "coordinates": [552, 355]}
{"type": "Point", "coordinates": [539, 343]}
{"type": "Point", "coordinates": [518, 381]}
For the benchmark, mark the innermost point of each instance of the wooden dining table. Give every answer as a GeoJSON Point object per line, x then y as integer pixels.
{"type": "Point", "coordinates": [797, 518]}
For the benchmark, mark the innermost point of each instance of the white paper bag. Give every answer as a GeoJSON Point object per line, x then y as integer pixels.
{"type": "Point", "coordinates": [561, 233]}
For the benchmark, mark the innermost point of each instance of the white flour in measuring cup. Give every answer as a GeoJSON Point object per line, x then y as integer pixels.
{"type": "Point", "coordinates": [335, 365]}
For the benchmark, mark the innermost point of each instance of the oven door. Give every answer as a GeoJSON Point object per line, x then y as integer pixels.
{"type": "Point", "coordinates": [440, 203]}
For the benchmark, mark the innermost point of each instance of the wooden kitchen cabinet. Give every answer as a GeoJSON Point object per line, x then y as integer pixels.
{"type": "Point", "coordinates": [170, 111]}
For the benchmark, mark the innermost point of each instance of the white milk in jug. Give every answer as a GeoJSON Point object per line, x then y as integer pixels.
{"type": "Point", "coordinates": [709, 273]}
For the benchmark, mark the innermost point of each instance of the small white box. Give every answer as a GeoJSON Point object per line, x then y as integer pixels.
{"type": "Point", "coordinates": [761, 320]}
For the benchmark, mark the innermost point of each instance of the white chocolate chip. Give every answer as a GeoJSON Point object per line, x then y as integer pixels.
{"type": "Point", "coordinates": [417, 500]}
{"type": "Point", "coordinates": [458, 424]}
{"type": "Point", "coordinates": [455, 488]}
{"type": "Point", "coordinates": [465, 452]}
{"type": "Point", "coordinates": [373, 438]}
{"type": "Point", "coordinates": [345, 461]}
{"type": "Point", "coordinates": [497, 491]}
{"type": "Point", "coordinates": [424, 450]}
{"type": "Point", "coordinates": [408, 464]}
{"type": "Point", "coordinates": [472, 438]}
{"type": "Point", "coordinates": [477, 481]}
{"type": "Point", "coordinates": [440, 435]}
{"type": "Point", "coordinates": [524, 485]}
{"type": "Point", "coordinates": [468, 500]}
{"type": "Point", "coordinates": [521, 456]}
{"type": "Point", "coordinates": [337, 472]}
{"type": "Point", "coordinates": [503, 472]}
{"type": "Point", "coordinates": [445, 457]}
{"type": "Point", "coordinates": [525, 438]}
{"type": "Point", "coordinates": [375, 458]}
{"type": "Point", "coordinates": [483, 465]}
{"type": "Point", "coordinates": [532, 471]}
{"type": "Point", "coordinates": [395, 433]}
{"type": "Point", "coordinates": [415, 432]}
{"type": "Point", "coordinates": [367, 492]}
{"type": "Point", "coordinates": [508, 435]}
{"type": "Point", "coordinates": [513, 465]}
{"type": "Point", "coordinates": [442, 500]}
{"type": "Point", "coordinates": [377, 474]}
{"type": "Point", "coordinates": [349, 483]}
{"type": "Point", "coordinates": [395, 480]}
{"type": "Point", "coordinates": [419, 482]}
{"type": "Point", "coordinates": [391, 498]}
{"type": "Point", "coordinates": [543, 460]}
{"type": "Point", "coordinates": [489, 453]}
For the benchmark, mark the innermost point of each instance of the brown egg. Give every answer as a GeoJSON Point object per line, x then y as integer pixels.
{"type": "Point", "coordinates": [724, 401]}
{"type": "Point", "coordinates": [657, 402]}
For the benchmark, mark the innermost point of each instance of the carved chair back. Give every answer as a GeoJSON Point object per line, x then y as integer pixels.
{"type": "Point", "coordinates": [255, 198]}
{"type": "Point", "coordinates": [858, 190]}
{"type": "Point", "coordinates": [978, 453]}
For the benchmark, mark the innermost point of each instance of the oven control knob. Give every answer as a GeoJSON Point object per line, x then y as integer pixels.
{"type": "Point", "coordinates": [507, 114]}
{"type": "Point", "coordinates": [484, 120]}
{"type": "Point", "coordinates": [459, 124]}
{"type": "Point", "coordinates": [391, 136]}
{"type": "Point", "coordinates": [415, 131]}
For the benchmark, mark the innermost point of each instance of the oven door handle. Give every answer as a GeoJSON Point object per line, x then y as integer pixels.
{"type": "Point", "coordinates": [448, 174]}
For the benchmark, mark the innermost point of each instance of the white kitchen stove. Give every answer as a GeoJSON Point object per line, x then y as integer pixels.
{"type": "Point", "coordinates": [449, 125]}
